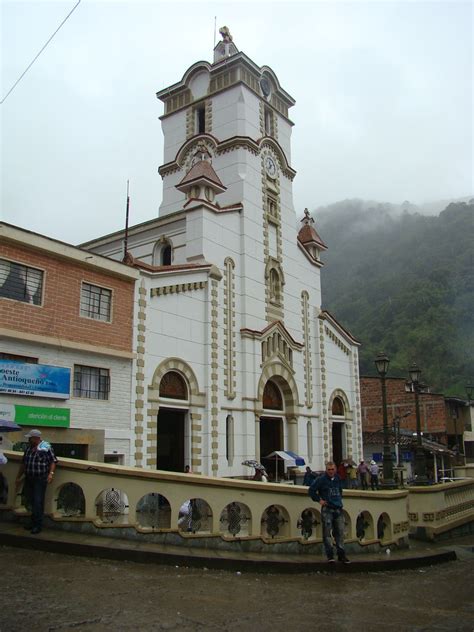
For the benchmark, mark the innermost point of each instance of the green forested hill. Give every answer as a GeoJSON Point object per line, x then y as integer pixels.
{"type": "Point", "coordinates": [404, 283]}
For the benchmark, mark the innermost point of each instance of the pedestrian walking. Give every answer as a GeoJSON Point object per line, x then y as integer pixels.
{"type": "Point", "coordinates": [374, 475]}
{"type": "Point", "coordinates": [38, 466]}
{"type": "Point", "coordinates": [362, 471]}
{"type": "Point", "coordinates": [327, 491]}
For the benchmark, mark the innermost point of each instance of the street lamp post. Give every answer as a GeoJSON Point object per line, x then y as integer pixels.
{"type": "Point", "coordinates": [420, 461]}
{"type": "Point", "coordinates": [396, 429]}
{"type": "Point", "coordinates": [382, 362]}
{"type": "Point", "coordinates": [469, 392]}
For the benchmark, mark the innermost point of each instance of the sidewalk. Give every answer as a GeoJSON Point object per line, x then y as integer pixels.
{"type": "Point", "coordinates": [419, 554]}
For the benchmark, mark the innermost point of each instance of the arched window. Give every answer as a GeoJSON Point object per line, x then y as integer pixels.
{"type": "Point", "coordinates": [162, 253]}
{"type": "Point", "coordinates": [275, 286]}
{"type": "Point", "coordinates": [172, 385]}
{"type": "Point", "coordinates": [338, 407]}
{"type": "Point", "coordinates": [272, 399]}
{"type": "Point", "coordinates": [166, 256]}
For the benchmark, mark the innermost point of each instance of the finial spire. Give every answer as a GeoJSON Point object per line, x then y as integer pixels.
{"type": "Point", "coordinates": [307, 219]}
{"type": "Point", "coordinates": [226, 47]}
{"type": "Point", "coordinates": [226, 36]}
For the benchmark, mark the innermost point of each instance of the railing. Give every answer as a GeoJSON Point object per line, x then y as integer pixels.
{"type": "Point", "coordinates": [132, 502]}
{"type": "Point", "coordinates": [436, 509]}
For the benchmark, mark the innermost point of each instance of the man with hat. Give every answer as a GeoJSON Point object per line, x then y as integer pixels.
{"type": "Point", "coordinates": [39, 463]}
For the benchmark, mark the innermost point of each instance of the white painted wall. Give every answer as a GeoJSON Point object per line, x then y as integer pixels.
{"type": "Point", "coordinates": [178, 325]}
{"type": "Point", "coordinates": [112, 415]}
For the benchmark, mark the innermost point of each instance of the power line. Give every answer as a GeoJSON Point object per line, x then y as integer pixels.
{"type": "Point", "coordinates": [26, 70]}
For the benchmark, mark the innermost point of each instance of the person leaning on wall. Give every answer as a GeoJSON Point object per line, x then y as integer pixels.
{"type": "Point", "coordinates": [37, 469]}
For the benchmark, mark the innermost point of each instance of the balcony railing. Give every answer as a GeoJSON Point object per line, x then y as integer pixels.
{"type": "Point", "coordinates": [172, 507]}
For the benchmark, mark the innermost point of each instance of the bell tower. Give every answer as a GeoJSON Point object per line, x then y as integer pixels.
{"type": "Point", "coordinates": [233, 106]}
{"type": "Point", "coordinates": [227, 123]}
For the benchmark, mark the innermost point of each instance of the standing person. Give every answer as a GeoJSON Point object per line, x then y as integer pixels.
{"type": "Point", "coordinates": [260, 475]}
{"type": "Point", "coordinates": [39, 463]}
{"type": "Point", "coordinates": [362, 471]}
{"type": "Point", "coordinates": [327, 491]}
{"type": "Point", "coordinates": [352, 476]}
{"type": "Point", "coordinates": [342, 473]}
{"type": "Point", "coordinates": [309, 476]}
{"type": "Point", "coordinates": [374, 475]}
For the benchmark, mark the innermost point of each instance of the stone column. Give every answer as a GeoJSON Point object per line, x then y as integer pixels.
{"type": "Point", "coordinates": [293, 434]}
{"type": "Point", "coordinates": [257, 437]}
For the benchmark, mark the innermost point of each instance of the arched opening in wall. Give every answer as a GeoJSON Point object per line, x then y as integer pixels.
{"type": "Point", "coordinates": [71, 501]}
{"type": "Point", "coordinates": [384, 529]}
{"type": "Point", "coordinates": [338, 407]}
{"type": "Point", "coordinates": [112, 506]}
{"type": "Point", "coordinates": [275, 286]}
{"type": "Point", "coordinates": [235, 520]}
{"type": "Point", "coordinates": [309, 524]}
{"type": "Point", "coordinates": [162, 253]}
{"type": "Point", "coordinates": [275, 522]}
{"type": "Point", "coordinates": [166, 256]}
{"type": "Point", "coordinates": [337, 442]}
{"type": "Point", "coordinates": [171, 424]}
{"type": "Point", "coordinates": [271, 429]}
{"type": "Point", "coordinates": [195, 516]}
{"type": "Point", "coordinates": [154, 511]}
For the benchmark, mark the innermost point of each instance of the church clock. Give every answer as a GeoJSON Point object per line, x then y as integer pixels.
{"type": "Point", "coordinates": [270, 166]}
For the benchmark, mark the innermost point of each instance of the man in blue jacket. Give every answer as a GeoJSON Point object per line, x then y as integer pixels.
{"type": "Point", "coordinates": [327, 491]}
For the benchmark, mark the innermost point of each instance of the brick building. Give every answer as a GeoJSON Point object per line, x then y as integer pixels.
{"type": "Point", "coordinates": [400, 401]}
{"type": "Point", "coordinates": [66, 321]}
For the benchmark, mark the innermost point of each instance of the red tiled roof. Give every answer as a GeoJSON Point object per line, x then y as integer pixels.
{"type": "Point", "coordinates": [202, 169]}
{"type": "Point", "coordinates": [308, 234]}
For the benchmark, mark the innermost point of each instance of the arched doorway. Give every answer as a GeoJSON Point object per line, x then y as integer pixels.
{"type": "Point", "coordinates": [271, 428]}
{"type": "Point", "coordinates": [337, 442]}
{"type": "Point", "coordinates": [338, 410]}
{"type": "Point", "coordinates": [171, 424]}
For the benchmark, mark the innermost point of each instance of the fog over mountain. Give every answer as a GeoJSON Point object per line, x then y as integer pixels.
{"type": "Point", "coordinates": [402, 281]}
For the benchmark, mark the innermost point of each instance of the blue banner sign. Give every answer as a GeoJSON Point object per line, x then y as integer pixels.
{"type": "Point", "coordinates": [37, 380]}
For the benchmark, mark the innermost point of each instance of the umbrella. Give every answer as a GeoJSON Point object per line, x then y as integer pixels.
{"type": "Point", "coordinates": [8, 426]}
{"type": "Point", "coordinates": [253, 463]}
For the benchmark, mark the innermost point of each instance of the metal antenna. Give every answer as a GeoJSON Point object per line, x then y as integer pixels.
{"type": "Point", "coordinates": [215, 27]}
{"type": "Point", "coordinates": [125, 242]}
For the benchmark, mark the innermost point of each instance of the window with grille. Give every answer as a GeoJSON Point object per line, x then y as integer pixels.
{"type": "Point", "coordinates": [91, 382]}
{"type": "Point", "coordinates": [95, 302]}
{"type": "Point", "coordinates": [20, 283]}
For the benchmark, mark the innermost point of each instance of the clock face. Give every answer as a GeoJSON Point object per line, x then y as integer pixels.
{"type": "Point", "coordinates": [270, 166]}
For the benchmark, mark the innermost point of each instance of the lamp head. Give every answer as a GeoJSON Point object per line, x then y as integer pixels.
{"type": "Point", "coordinates": [415, 373]}
{"type": "Point", "coordinates": [382, 362]}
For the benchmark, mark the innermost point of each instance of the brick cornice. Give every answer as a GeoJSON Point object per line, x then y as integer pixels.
{"type": "Point", "coordinates": [64, 344]}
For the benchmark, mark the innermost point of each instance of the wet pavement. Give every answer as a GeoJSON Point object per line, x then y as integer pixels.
{"type": "Point", "coordinates": [44, 591]}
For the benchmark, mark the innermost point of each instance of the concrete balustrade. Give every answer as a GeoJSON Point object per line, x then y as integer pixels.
{"type": "Point", "coordinates": [436, 509]}
{"type": "Point", "coordinates": [139, 502]}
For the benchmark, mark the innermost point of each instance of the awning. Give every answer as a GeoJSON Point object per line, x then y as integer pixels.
{"type": "Point", "coordinates": [407, 440]}
{"type": "Point", "coordinates": [291, 459]}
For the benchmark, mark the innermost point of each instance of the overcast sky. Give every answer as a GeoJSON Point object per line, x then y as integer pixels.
{"type": "Point", "coordinates": [383, 93]}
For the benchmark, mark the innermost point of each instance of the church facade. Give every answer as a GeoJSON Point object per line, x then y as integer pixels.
{"type": "Point", "coordinates": [234, 357]}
